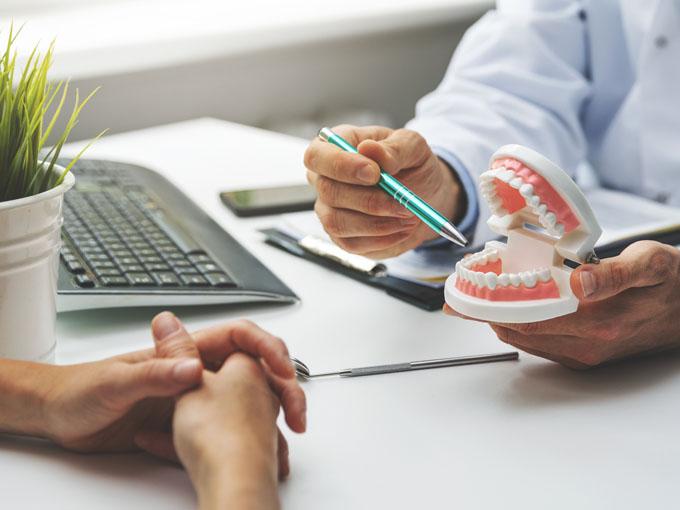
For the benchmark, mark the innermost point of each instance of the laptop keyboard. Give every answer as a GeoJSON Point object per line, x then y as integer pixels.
{"type": "Point", "coordinates": [116, 236]}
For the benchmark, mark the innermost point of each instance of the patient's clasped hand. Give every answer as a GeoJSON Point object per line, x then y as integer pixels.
{"type": "Point", "coordinates": [209, 399]}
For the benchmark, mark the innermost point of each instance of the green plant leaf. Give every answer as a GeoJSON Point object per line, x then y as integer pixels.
{"type": "Point", "coordinates": [26, 99]}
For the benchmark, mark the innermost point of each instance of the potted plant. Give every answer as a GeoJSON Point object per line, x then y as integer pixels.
{"type": "Point", "coordinates": [32, 187]}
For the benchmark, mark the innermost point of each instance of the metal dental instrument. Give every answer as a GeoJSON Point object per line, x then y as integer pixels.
{"type": "Point", "coordinates": [303, 371]}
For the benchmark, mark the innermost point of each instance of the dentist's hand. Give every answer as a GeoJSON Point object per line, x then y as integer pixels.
{"type": "Point", "coordinates": [629, 305]}
{"type": "Point", "coordinates": [359, 216]}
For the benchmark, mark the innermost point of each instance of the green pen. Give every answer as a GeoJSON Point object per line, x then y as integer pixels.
{"type": "Point", "coordinates": [424, 211]}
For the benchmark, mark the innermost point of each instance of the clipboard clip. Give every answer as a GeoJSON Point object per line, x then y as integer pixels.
{"type": "Point", "coordinates": [328, 250]}
{"type": "Point", "coordinates": [358, 268]}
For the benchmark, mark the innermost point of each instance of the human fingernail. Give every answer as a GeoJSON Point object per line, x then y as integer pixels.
{"type": "Point", "coordinates": [587, 283]}
{"type": "Point", "coordinates": [366, 174]}
{"type": "Point", "coordinates": [185, 371]}
{"type": "Point", "coordinates": [165, 325]}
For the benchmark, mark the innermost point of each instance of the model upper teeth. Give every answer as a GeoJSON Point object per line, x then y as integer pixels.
{"type": "Point", "coordinates": [505, 175]}
{"type": "Point", "coordinates": [550, 219]}
{"type": "Point", "coordinates": [464, 270]}
{"type": "Point", "coordinates": [546, 217]}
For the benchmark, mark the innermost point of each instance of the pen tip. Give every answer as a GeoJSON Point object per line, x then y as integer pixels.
{"type": "Point", "coordinates": [449, 232]}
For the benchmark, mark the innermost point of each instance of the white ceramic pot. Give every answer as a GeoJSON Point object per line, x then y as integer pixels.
{"type": "Point", "coordinates": [30, 238]}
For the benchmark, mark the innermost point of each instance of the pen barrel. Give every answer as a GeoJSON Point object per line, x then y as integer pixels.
{"type": "Point", "coordinates": [430, 216]}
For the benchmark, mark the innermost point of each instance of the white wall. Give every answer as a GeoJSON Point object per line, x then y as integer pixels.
{"type": "Point", "coordinates": [386, 72]}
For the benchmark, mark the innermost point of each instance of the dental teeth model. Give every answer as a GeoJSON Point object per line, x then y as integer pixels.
{"type": "Point", "coordinates": [546, 220]}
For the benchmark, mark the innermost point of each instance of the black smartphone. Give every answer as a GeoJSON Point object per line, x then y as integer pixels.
{"type": "Point", "coordinates": [263, 201]}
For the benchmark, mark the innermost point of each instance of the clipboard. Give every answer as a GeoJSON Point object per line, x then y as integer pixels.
{"type": "Point", "coordinates": [423, 296]}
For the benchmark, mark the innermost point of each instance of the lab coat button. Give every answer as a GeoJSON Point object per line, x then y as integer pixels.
{"type": "Point", "coordinates": [662, 197]}
{"type": "Point", "coordinates": [661, 41]}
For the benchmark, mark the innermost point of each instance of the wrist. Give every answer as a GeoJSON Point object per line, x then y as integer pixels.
{"type": "Point", "coordinates": [456, 201]}
{"type": "Point", "coordinates": [23, 397]}
{"type": "Point", "coordinates": [51, 405]}
{"type": "Point", "coordinates": [239, 472]}
{"type": "Point", "coordinates": [449, 199]}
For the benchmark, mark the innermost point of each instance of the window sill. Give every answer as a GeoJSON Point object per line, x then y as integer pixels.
{"type": "Point", "coordinates": [126, 36]}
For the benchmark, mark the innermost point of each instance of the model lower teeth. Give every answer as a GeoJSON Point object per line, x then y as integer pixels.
{"type": "Point", "coordinates": [481, 275]}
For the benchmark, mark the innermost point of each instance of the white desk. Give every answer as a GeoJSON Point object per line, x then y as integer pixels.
{"type": "Point", "coordinates": [509, 435]}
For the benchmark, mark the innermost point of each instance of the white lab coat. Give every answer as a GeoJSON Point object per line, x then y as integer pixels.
{"type": "Point", "coordinates": [585, 82]}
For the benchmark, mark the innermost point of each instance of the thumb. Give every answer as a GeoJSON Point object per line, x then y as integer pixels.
{"type": "Point", "coordinates": [171, 339]}
{"type": "Point", "coordinates": [401, 149]}
{"type": "Point", "coordinates": [642, 264]}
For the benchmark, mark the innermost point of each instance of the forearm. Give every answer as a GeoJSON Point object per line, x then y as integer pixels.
{"type": "Point", "coordinates": [238, 476]}
{"type": "Point", "coordinates": [22, 386]}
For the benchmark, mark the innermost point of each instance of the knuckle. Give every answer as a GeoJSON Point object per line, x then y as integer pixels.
{"type": "Point", "coordinates": [341, 164]}
{"type": "Point", "coordinates": [281, 345]}
{"type": "Point", "coordinates": [373, 203]}
{"type": "Point", "coordinates": [381, 226]}
{"type": "Point", "coordinates": [309, 158]}
{"type": "Point", "coordinates": [149, 372]}
{"type": "Point", "coordinates": [244, 324]}
{"type": "Point", "coordinates": [326, 190]}
{"type": "Point", "coordinates": [344, 243]}
{"type": "Point", "coordinates": [364, 250]}
{"type": "Point", "coordinates": [344, 128]}
{"type": "Point", "coordinates": [660, 262]}
{"type": "Point", "coordinates": [322, 213]}
{"type": "Point", "coordinates": [354, 245]}
{"type": "Point", "coordinates": [618, 275]}
{"type": "Point", "coordinates": [396, 209]}
{"type": "Point", "coordinates": [283, 446]}
{"type": "Point", "coordinates": [412, 140]}
{"type": "Point", "coordinates": [503, 334]}
{"type": "Point", "coordinates": [331, 224]}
